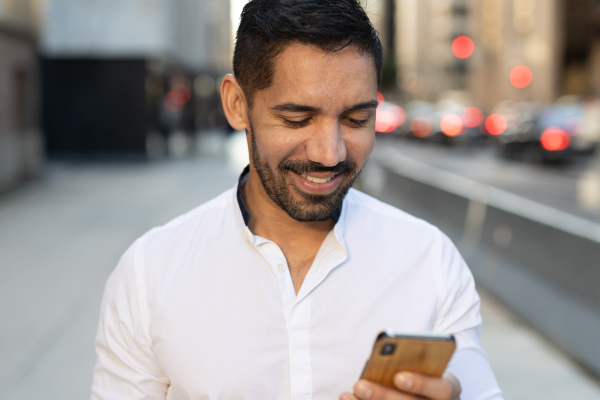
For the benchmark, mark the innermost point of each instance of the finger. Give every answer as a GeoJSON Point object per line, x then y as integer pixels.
{"type": "Point", "coordinates": [367, 390]}
{"type": "Point", "coordinates": [445, 388]}
{"type": "Point", "coordinates": [348, 396]}
{"type": "Point", "coordinates": [456, 388]}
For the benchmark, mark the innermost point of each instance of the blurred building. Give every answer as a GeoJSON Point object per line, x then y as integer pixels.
{"type": "Point", "coordinates": [425, 29]}
{"type": "Point", "coordinates": [123, 76]}
{"type": "Point", "coordinates": [383, 16]}
{"type": "Point", "coordinates": [581, 41]}
{"type": "Point", "coordinates": [556, 39]}
{"type": "Point", "coordinates": [508, 33]}
{"type": "Point", "coordinates": [21, 145]}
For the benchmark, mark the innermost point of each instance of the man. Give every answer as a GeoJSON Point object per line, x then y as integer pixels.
{"type": "Point", "coordinates": [277, 288]}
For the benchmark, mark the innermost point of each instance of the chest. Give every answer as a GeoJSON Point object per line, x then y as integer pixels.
{"type": "Point", "coordinates": [299, 258]}
{"type": "Point", "coordinates": [245, 334]}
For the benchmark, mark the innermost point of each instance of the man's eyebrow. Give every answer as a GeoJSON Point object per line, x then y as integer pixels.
{"type": "Point", "coordinates": [293, 107]}
{"type": "Point", "coordinates": [363, 106]}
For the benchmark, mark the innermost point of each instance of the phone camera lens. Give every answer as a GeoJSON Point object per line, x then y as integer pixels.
{"type": "Point", "coordinates": [388, 349]}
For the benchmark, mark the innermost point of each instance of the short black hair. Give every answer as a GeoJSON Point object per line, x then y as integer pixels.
{"type": "Point", "coordinates": [268, 26]}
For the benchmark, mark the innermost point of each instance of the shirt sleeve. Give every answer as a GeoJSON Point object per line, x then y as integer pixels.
{"type": "Point", "coordinates": [126, 366]}
{"type": "Point", "coordinates": [459, 315]}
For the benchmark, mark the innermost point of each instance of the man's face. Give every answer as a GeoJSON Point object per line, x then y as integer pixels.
{"type": "Point", "coordinates": [312, 131]}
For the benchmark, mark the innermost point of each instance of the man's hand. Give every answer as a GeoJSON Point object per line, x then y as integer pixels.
{"type": "Point", "coordinates": [410, 386]}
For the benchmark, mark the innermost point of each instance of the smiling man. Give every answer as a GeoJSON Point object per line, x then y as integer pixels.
{"type": "Point", "coordinates": [278, 288]}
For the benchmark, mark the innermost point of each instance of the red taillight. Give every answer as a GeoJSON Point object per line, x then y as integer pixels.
{"type": "Point", "coordinates": [472, 116]}
{"type": "Point", "coordinates": [385, 121]}
{"type": "Point", "coordinates": [420, 127]}
{"type": "Point", "coordinates": [451, 125]}
{"type": "Point", "coordinates": [389, 119]}
{"type": "Point", "coordinates": [496, 124]}
{"type": "Point", "coordinates": [400, 114]}
{"type": "Point", "coordinates": [178, 97]}
{"type": "Point", "coordinates": [554, 139]}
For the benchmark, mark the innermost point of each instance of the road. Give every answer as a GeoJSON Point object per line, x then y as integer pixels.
{"type": "Point", "coordinates": [558, 186]}
{"type": "Point", "coordinates": [61, 237]}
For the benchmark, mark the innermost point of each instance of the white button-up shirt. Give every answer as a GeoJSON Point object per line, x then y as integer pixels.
{"type": "Point", "coordinates": [201, 308]}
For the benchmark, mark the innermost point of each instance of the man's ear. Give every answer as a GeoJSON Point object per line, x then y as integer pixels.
{"type": "Point", "coordinates": [234, 103]}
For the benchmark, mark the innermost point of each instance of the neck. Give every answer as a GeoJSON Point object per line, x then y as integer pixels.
{"type": "Point", "coordinates": [299, 241]}
{"type": "Point", "coordinates": [273, 223]}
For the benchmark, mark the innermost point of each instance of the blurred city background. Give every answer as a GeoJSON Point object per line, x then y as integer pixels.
{"type": "Point", "coordinates": [489, 120]}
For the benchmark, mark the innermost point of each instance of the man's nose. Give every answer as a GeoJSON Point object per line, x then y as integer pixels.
{"type": "Point", "coordinates": [326, 146]}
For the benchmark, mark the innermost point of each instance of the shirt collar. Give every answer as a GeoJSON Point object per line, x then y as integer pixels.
{"type": "Point", "coordinates": [246, 215]}
{"type": "Point", "coordinates": [240, 197]}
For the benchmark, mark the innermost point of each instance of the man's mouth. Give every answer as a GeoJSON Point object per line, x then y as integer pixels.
{"type": "Point", "coordinates": [316, 179]}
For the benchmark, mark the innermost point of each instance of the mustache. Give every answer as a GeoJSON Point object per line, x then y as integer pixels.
{"type": "Point", "coordinates": [307, 166]}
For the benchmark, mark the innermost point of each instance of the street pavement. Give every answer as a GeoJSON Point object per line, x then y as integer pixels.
{"type": "Point", "coordinates": [60, 238]}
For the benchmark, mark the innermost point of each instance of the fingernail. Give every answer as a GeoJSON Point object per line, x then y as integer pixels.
{"type": "Point", "coordinates": [403, 381]}
{"type": "Point", "coordinates": [362, 390]}
{"type": "Point", "coordinates": [346, 397]}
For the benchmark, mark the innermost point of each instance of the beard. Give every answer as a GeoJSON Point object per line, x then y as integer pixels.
{"type": "Point", "coordinates": [279, 185]}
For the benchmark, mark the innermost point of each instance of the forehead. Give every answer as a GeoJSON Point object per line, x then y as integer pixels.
{"type": "Point", "coordinates": [306, 74]}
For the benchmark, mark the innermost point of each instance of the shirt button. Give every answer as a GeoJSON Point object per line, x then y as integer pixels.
{"type": "Point", "coordinates": [281, 268]}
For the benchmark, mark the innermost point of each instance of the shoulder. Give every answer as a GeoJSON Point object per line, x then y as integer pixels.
{"type": "Point", "coordinates": [162, 252]}
{"type": "Point", "coordinates": [398, 244]}
{"type": "Point", "coordinates": [371, 223]}
{"type": "Point", "coordinates": [368, 211]}
{"type": "Point", "coordinates": [167, 245]}
{"type": "Point", "coordinates": [207, 210]}
{"type": "Point", "coordinates": [202, 219]}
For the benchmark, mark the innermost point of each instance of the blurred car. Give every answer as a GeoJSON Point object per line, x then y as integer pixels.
{"type": "Point", "coordinates": [554, 133]}
{"type": "Point", "coordinates": [447, 122]}
{"type": "Point", "coordinates": [420, 114]}
{"type": "Point", "coordinates": [389, 116]}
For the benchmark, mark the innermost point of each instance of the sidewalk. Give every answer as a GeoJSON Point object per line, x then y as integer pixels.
{"type": "Point", "coordinates": [61, 237]}
{"type": "Point", "coordinates": [527, 366]}
{"type": "Point", "coordinates": [59, 241]}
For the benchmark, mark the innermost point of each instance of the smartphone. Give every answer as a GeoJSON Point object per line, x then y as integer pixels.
{"type": "Point", "coordinates": [424, 353]}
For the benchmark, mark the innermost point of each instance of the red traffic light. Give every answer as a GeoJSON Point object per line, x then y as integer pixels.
{"type": "Point", "coordinates": [520, 76]}
{"type": "Point", "coordinates": [463, 47]}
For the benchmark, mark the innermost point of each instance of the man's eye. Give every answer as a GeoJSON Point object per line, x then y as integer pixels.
{"type": "Point", "coordinates": [358, 122]}
{"type": "Point", "coordinates": [296, 124]}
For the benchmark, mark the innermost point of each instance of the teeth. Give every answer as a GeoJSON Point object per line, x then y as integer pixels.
{"type": "Point", "coordinates": [317, 180]}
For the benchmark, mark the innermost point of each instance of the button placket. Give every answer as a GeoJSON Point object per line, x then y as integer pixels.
{"type": "Point", "coordinates": [327, 260]}
{"type": "Point", "coordinates": [299, 351]}
{"type": "Point", "coordinates": [288, 293]}
{"type": "Point", "coordinates": [278, 264]}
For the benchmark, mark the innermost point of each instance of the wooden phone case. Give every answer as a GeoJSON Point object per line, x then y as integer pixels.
{"type": "Point", "coordinates": [424, 355]}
